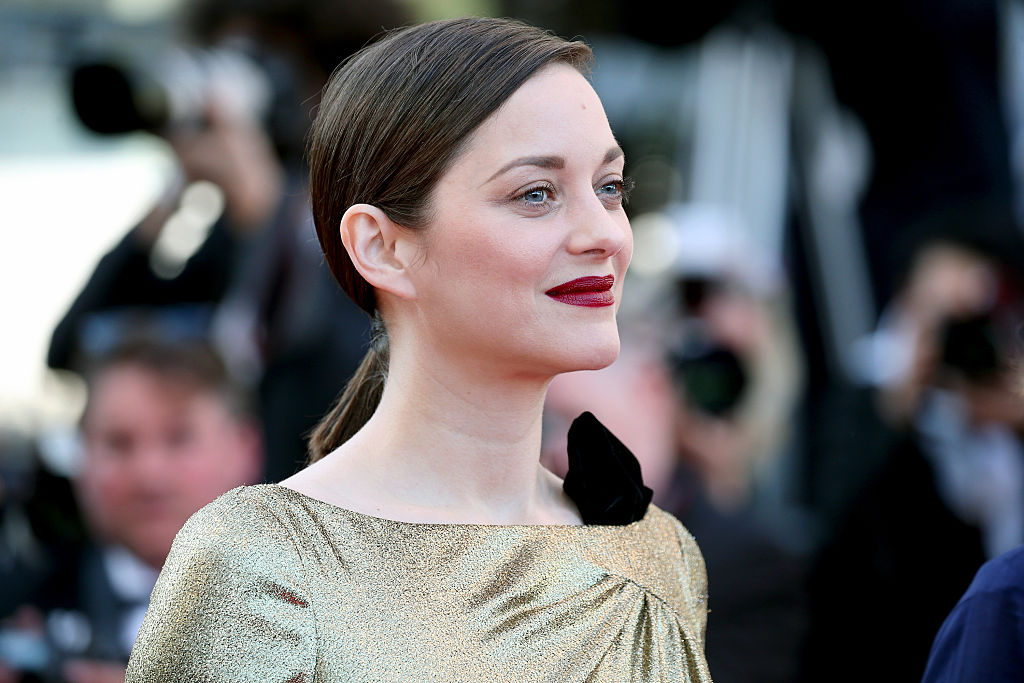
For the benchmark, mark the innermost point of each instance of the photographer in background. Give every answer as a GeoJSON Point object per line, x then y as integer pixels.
{"type": "Point", "coordinates": [951, 491]}
{"type": "Point", "coordinates": [164, 432]}
{"type": "Point", "coordinates": [733, 357]}
{"type": "Point", "coordinates": [236, 114]}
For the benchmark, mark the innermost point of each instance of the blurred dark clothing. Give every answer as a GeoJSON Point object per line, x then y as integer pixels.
{"type": "Point", "coordinates": [305, 335]}
{"type": "Point", "coordinates": [983, 637]}
{"type": "Point", "coordinates": [55, 571]}
{"type": "Point", "coordinates": [123, 279]}
{"type": "Point", "coordinates": [844, 443]}
{"type": "Point", "coordinates": [758, 609]}
{"type": "Point", "coordinates": [45, 502]}
{"type": "Point", "coordinates": [92, 602]}
{"type": "Point", "coordinates": [882, 586]}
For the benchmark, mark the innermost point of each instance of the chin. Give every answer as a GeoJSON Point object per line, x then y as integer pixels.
{"type": "Point", "coordinates": [594, 353]}
{"type": "Point", "coordinates": [602, 360]}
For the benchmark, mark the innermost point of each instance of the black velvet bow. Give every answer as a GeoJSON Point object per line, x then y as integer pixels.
{"type": "Point", "coordinates": [604, 477]}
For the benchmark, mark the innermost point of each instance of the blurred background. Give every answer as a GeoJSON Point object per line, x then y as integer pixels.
{"type": "Point", "coordinates": [821, 336]}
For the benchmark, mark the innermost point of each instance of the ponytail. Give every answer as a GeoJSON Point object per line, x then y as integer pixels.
{"type": "Point", "coordinates": [358, 401]}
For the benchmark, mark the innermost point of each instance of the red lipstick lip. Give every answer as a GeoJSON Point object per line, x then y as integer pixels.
{"type": "Point", "coordinates": [591, 291]}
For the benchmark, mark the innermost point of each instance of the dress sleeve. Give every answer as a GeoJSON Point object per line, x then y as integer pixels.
{"type": "Point", "coordinates": [231, 604]}
{"type": "Point", "coordinates": [695, 578]}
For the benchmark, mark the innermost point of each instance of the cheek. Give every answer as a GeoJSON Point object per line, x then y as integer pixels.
{"type": "Point", "coordinates": [203, 459]}
{"type": "Point", "coordinates": [212, 465]}
{"type": "Point", "coordinates": [498, 267]}
{"type": "Point", "coordinates": [491, 254]}
{"type": "Point", "coordinates": [104, 480]}
{"type": "Point", "coordinates": [104, 491]}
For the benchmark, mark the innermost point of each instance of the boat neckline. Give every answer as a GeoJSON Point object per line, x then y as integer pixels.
{"type": "Point", "coordinates": [466, 525]}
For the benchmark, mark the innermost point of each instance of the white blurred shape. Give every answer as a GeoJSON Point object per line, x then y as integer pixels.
{"type": "Point", "coordinates": [187, 229]}
{"type": "Point", "coordinates": [60, 214]}
{"type": "Point", "coordinates": [141, 11]}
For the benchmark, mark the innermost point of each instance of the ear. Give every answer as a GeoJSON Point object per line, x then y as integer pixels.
{"type": "Point", "coordinates": [378, 249]}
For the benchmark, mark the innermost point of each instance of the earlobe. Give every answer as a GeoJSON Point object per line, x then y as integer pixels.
{"type": "Point", "coordinates": [372, 242]}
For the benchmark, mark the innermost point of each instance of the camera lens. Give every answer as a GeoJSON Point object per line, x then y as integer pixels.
{"type": "Point", "coordinates": [108, 102]}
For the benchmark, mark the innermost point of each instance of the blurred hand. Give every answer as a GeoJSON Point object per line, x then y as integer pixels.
{"type": "Point", "coordinates": [91, 671]}
{"type": "Point", "coordinates": [717, 449]}
{"type": "Point", "coordinates": [738, 321]}
{"type": "Point", "coordinates": [997, 402]}
{"type": "Point", "coordinates": [148, 229]}
{"type": "Point", "coordinates": [235, 154]}
{"type": "Point", "coordinates": [946, 281]}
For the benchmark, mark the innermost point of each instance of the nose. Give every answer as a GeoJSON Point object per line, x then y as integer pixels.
{"type": "Point", "coordinates": [596, 230]}
{"type": "Point", "coordinates": [151, 466]}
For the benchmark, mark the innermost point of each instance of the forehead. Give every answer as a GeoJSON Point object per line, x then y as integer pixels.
{"type": "Point", "coordinates": [555, 112]}
{"type": "Point", "coordinates": [129, 387]}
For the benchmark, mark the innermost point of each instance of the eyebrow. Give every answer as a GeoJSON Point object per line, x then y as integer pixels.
{"type": "Point", "coordinates": [549, 162]}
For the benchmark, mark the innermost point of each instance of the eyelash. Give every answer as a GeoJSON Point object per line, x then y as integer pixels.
{"type": "Point", "coordinates": [623, 189]}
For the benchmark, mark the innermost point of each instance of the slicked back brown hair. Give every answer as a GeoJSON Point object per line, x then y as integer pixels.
{"type": "Point", "coordinates": [392, 120]}
{"type": "Point", "coordinates": [394, 117]}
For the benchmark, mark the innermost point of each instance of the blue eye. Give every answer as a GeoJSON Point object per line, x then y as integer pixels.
{"type": "Point", "coordinates": [537, 195]}
{"type": "Point", "coordinates": [616, 190]}
{"type": "Point", "coordinates": [538, 200]}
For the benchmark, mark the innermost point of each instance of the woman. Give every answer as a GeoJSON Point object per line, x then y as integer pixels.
{"type": "Point", "coordinates": [467, 193]}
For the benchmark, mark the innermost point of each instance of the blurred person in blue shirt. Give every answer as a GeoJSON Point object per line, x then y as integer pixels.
{"type": "Point", "coordinates": [982, 639]}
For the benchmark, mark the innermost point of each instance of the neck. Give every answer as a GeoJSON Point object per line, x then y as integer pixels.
{"type": "Point", "coordinates": [461, 439]}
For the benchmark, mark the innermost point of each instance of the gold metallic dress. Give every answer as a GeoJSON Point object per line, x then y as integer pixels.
{"type": "Point", "coordinates": [267, 585]}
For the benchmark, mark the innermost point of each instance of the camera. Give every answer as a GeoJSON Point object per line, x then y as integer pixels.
{"type": "Point", "coordinates": [173, 90]}
{"type": "Point", "coordinates": [712, 376]}
{"type": "Point", "coordinates": [981, 347]}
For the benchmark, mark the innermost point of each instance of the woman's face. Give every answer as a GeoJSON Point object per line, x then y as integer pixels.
{"type": "Point", "coordinates": [523, 260]}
